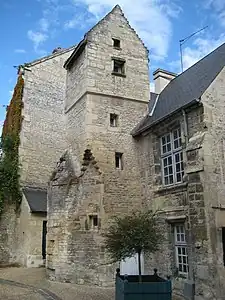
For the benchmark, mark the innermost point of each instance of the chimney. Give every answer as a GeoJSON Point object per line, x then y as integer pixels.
{"type": "Point", "coordinates": [161, 79]}
{"type": "Point", "coordinates": [58, 49]}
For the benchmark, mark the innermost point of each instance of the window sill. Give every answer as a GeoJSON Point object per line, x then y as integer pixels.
{"type": "Point", "coordinates": [118, 74]}
{"type": "Point", "coordinates": [171, 188]}
{"type": "Point", "coordinates": [117, 48]}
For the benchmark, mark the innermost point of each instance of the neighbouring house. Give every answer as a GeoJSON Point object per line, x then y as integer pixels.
{"type": "Point", "coordinates": [42, 140]}
{"type": "Point", "coordinates": [120, 148]}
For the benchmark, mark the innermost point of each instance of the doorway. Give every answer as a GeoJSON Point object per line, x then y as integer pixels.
{"type": "Point", "coordinates": [44, 232]}
{"type": "Point", "coordinates": [129, 266]}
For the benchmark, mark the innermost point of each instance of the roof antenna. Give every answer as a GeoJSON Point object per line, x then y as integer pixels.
{"type": "Point", "coordinates": [183, 41]}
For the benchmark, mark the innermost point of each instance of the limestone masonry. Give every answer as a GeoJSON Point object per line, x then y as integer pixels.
{"type": "Point", "coordinates": [95, 143]}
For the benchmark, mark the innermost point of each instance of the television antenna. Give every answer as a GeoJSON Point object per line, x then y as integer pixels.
{"type": "Point", "coordinates": [185, 40]}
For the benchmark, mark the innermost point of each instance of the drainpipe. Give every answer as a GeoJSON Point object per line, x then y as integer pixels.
{"type": "Point", "coordinates": [185, 127]}
{"type": "Point", "coordinates": [191, 249]}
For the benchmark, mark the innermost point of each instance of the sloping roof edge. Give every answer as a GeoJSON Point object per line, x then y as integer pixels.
{"type": "Point", "coordinates": [142, 129]}
{"type": "Point", "coordinates": [80, 47]}
{"type": "Point", "coordinates": [50, 56]}
{"type": "Point", "coordinates": [77, 51]}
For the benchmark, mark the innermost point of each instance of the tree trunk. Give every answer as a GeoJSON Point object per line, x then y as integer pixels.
{"type": "Point", "coordinates": [139, 266]}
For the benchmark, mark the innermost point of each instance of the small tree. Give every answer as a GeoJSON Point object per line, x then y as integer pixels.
{"type": "Point", "coordinates": [131, 235]}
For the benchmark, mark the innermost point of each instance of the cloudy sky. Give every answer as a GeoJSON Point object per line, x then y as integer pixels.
{"type": "Point", "coordinates": [32, 28]}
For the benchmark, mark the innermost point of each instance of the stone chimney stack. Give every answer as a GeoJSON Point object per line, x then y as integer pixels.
{"type": "Point", "coordinates": [161, 79]}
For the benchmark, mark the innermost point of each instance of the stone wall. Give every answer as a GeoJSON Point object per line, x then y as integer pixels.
{"type": "Point", "coordinates": [113, 191]}
{"type": "Point", "coordinates": [213, 184]}
{"type": "Point", "coordinates": [182, 202]}
{"type": "Point", "coordinates": [76, 80]}
{"type": "Point", "coordinates": [29, 236]}
{"type": "Point", "coordinates": [7, 235]}
{"type": "Point", "coordinates": [100, 52]}
{"type": "Point", "coordinates": [43, 131]}
{"type": "Point", "coordinates": [75, 252]}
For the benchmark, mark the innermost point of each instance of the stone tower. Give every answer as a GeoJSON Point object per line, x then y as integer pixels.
{"type": "Point", "coordinates": [98, 177]}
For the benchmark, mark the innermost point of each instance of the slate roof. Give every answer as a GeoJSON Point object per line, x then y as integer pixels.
{"type": "Point", "coordinates": [185, 89]}
{"type": "Point", "coordinates": [37, 199]}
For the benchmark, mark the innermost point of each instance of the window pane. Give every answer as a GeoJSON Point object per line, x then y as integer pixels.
{"type": "Point", "coordinates": [176, 144]}
{"type": "Point", "coordinates": [165, 162]}
{"type": "Point", "coordinates": [177, 157]}
{"type": "Point", "coordinates": [180, 268]}
{"type": "Point", "coordinates": [171, 179]}
{"type": "Point", "coordinates": [163, 140]}
{"type": "Point", "coordinates": [182, 238]}
{"type": "Point", "coordinates": [178, 167]}
{"type": "Point", "coordinates": [165, 171]}
{"type": "Point", "coordinates": [170, 160]}
{"type": "Point", "coordinates": [179, 177]}
{"type": "Point", "coordinates": [175, 134]}
{"type": "Point", "coordinates": [177, 138]}
{"type": "Point", "coordinates": [168, 138]}
{"type": "Point", "coordinates": [170, 170]}
{"type": "Point", "coordinates": [166, 180]}
{"type": "Point", "coordinates": [164, 149]}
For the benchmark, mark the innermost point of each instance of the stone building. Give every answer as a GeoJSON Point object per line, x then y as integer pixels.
{"type": "Point", "coordinates": [107, 93]}
{"type": "Point", "coordinates": [172, 162]}
{"type": "Point", "coordinates": [123, 148]}
{"type": "Point", "coordinates": [42, 140]}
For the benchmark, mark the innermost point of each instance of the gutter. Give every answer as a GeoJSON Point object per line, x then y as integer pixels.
{"type": "Point", "coordinates": [195, 101]}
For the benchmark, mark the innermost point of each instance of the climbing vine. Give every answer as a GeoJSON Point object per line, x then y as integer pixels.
{"type": "Point", "coordinates": [9, 162]}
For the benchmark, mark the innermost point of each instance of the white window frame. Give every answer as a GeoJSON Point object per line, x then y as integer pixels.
{"type": "Point", "coordinates": [178, 243]}
{"type": "Point", "coordinates": [172, 153]}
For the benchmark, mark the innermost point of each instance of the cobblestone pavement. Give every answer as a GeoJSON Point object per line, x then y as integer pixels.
{"type": "Point", "coordinates": [31, 284]}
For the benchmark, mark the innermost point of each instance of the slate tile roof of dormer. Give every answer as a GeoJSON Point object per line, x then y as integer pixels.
{"type": "Point", "coordinates": [185, 89]}
{"type": "Point", "coordinates": [37, 199]}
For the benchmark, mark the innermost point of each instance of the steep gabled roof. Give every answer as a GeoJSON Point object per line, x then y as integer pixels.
{"type": "Point", "coordinates": [186, 88]}
{"type": "Point", "coordinates": [80, 47]}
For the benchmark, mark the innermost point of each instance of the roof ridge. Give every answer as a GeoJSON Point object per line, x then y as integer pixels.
{"type": "Point", "coordinates": [109, 13]}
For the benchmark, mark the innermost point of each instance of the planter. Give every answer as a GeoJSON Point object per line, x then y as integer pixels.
{"type": "Point", "coordinates": [152, 287]}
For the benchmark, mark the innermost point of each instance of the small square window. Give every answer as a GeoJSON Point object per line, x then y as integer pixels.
{"type": "Point", "coordinates": [113, 120]}
{"type": "Point", "coordinates": [116, 43]}
{"type": "Point", "coordinates": [118, 160]}
{"type": "Point", "coordinates": [118, 67]}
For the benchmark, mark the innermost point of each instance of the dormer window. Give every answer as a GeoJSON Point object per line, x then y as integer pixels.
{"type": "Point", "coordinates": [116, 43]}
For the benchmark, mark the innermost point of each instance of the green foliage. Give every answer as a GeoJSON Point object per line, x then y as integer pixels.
{"type": "Point", "coordinates": [9, 172]}
{"type": "Point", "coordinates": [133, 234]}
{"type": "Point", "coordinates": [9, 162]}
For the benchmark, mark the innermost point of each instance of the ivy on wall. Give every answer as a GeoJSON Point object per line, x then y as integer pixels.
{"type": "Point", "coordinates": [9, 162]}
